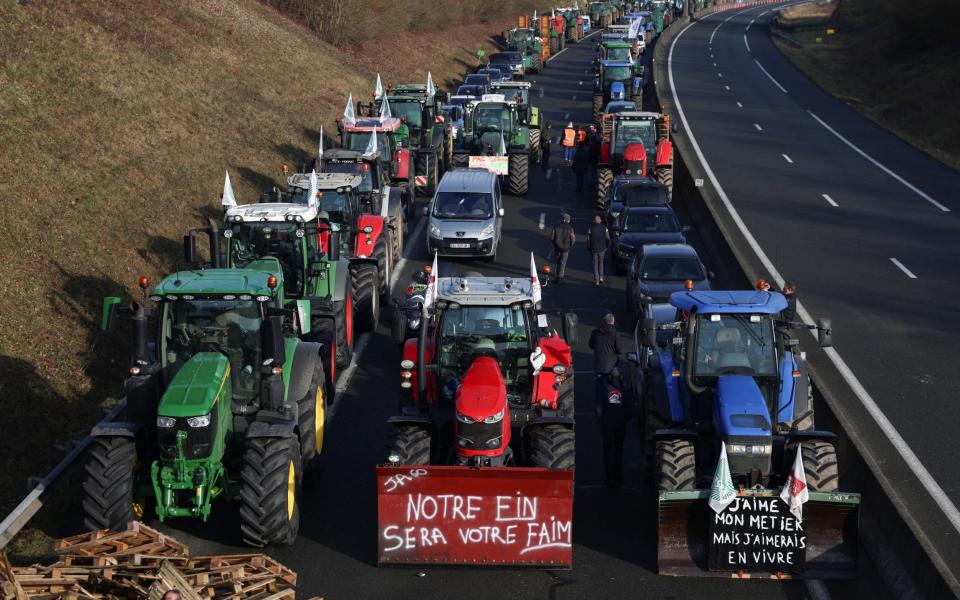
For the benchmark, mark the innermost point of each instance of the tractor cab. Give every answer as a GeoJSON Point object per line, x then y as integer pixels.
{"type": "Point", "coordinates": [356, 136]}
{"type": "Point", "coordinates": [373, 174]}
{"type": "Point", "coordinates": [492, 124]}
{"type": "Point", "coordinates": [414, 102]}
{"type": "Point", "coordinates": [518, 92]}
{"type": "Point", "coordinates": [636, 136]}
{"type": "Point", "coordinates": [615, 80]}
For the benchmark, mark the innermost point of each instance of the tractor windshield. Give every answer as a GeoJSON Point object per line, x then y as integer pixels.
{"type": "Point", "coordinates": [491, 118]}
{"type": "Point", "coordinates": [230, 327]}
{"type": "Point", "coordinates": [735, 344]}
{"type": "Point", "coordinates": [354, 168]}
{"type": "Point", "coordinates": [636, 132]}
{"type": "Point", "coordinates": [619, 54]}
{"type": "Point", "coordinates": [253, 241]}
{"type": "Point", "coordinates": [617, 73]}
{"type": "Point", "coordinates": [500, 332]}
{"type": "Point", "coordinates": [412, 111]}
{"type": "Point", "coordinates": [359, 140]}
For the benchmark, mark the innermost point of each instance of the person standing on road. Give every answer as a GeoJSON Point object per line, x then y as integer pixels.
{"type": "Point", "coordinates": [563, 238]}
{"type": "Point", "coordinates": [593, 146]}
{"type": "Point", "coordinates": [545, 142]}
{"type": "Point", "coordinates": [605, 343]}
{"type": "Point", "coordinates": [581, 162]}
{"type": "Point", "coordinates": [569, 142]}
{"type": "Point", "coordinates": [598, 240]}
{"type": "Point", "coordinates": [581, 135]}
{"type": "Point", "coordinates": [614, 412]}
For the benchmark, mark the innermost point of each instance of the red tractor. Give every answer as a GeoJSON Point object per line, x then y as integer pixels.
{"type": "Point", "coordinates": [635, 144]}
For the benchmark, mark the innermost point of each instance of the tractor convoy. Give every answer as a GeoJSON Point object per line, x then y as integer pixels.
{"type": "Point", "coordinates": [235, 357]}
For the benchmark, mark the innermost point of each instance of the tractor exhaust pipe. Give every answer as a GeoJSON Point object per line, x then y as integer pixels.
{"type": "Point", "coordinates": [422, 357]}
{"type": "Point", "coordinates": [141, 356]}
{"type": "Point", "coordinates": [214, 234]}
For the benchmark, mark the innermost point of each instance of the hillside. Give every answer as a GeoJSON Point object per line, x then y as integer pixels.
{"type": "Point", "coordinates": [896, 62]}
{"type": "Point", "coordinates": [118, 121]}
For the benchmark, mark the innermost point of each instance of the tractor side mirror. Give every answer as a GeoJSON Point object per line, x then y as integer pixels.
{"type": "Point", "coordinates": [303, 316]}
{"type": "Point", "coordinates": [650, 333]}
{"type": "Point", "coordinates": [272, 343]}
{"type": "Point", "coordinates": [570, 322]}
{"type": "Point", "coordinates": [500, 212]}
{"type": "Point", "coordinates": [674, 127]}
{"type": "Point", "coordinates": [109, 315]}
{"type": "Point", "coordinates": [398, 327]}
{"type": "Point", "coordinates": [189, 249]}
{"type": "Point", "coordinates": [333, 245]}
{"type": "Point", "coordinates": [824, 333]}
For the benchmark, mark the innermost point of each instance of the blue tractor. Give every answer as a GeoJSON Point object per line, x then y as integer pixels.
{"type": "Point", "coordinates": [617, 80]}
{"type": "Point", "coordinates": [723, 366]}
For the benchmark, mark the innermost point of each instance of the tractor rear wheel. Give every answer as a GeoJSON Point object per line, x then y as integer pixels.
{"type": "Point", "coordinates": [270, 481]}
{"type": "Point", "coordinates": [552, 447]}
{"type": "Point", "coordinates": [819, 465]}
{"type": "Point", "coordinates": [460, 160]}
{"type": "Point", "coordinates": [408, 445]}
{"type": "Point", "coordinates": [676, 465]}
{"type": "Point", "coordinates": [665, 176]}
{"type": "Point", "coordinates": [554, 46]}
{"type": "Point", "coordinates": [384, 264]}
{"type": "Point", "coordinates": [651, 420]}
{"type": "Point", "coordinates": [427, 165]}
{"type": "Point", "coordinates": [108, 483]}
{"type": "Point", "coordinates": [537, 63]}
{"type": "Point", "coordinates": [597, 106]}
{"type": "Point", "coordinates": [519, 166]}
{"type": "Point", "coordinates": [311, 419]}
{"type": "Point", "coordinates": [364, 285]}
{"type": "Point", "coordinates": [604, 180]}
{"type": "Point", "coordinates": [534, 134]}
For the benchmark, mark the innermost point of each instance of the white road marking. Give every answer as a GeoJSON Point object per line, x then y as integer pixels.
{"type": "Point", "coordinates": [775, 82]}
{"type": "Point", "coordinates": [877, 164]}
{"type": "Point", "coordinates": [549, 173]}
{"type": "Point", "coordinates": [830, 200]}
{"type": "Point", "coordinates": [763, 13]}
{"type": "Point", "coordinates": [787, 158]}
{"type": "Point", "coordinates": [574, 98]}
{"type": "Point", "coordinates": [543, 218]}
{"type": "Point", "coordinates": [913, 462]}
{"type": "Point", "coordinates": [727, 87]}
{"type": "Point", "coordinates": [740, 105]}
{"type": "Point", "coordinates": [719, 74]}
{"type": "Point", "coordinates": [757, 125]}
{"type": "Point", "coordinates": [900, 266]}
{"type": "Point", "coordinates": [721, 25]}
{"type": "Point", "coordinates": [565, 117]}
{"type": "Point", "coordinates": [581, 83]}
{"type": "Point", "coordinates": [714, 64]}
{"type": "Point", "coordinates": [746, 43]}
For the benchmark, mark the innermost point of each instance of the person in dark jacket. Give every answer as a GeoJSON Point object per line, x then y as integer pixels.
{"type": "Point", "coordinates": [563, 238]}
{"type": "Point", "coordinates": [581, 163]}
{"type": "Point", "coordinates": [598, 240]}
{"type": "Point", "coordinates": [616, 408]}
{"type": "Point", "coordinates": [594, 141]}
{"type": "Point", "coordinates": [790, 293]}
{"type": "Point", "coordinates": [545, 147]}
{"type": "Point", "coordinates": [605, 343]}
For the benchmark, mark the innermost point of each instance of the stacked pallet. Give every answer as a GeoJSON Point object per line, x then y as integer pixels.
{"type": "Point", "coordinates": [144, 563]}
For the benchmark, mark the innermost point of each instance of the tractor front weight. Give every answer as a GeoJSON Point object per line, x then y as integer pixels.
{"type": "Point", "coordinates": [173, 480]}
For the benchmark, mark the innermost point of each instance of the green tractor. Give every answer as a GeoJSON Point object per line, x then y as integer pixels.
{"type": "Point", "coordinates": [223, 401]}
{"type": "Point", "coordinates": [573, 23]}
{"type": "Point", "coordinates": [530, 117]}
{"type": "Point", "coordinates": [431, 138]}
{"type": "Point", "coordinates": [527, 42]}
{"type": "Point", "coordinates": [495, 138]}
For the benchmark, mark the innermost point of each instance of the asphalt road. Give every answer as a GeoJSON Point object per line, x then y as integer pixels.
{"type": "Point", "coordinates": [866, 226]}
{"type": "Point", "coordinates": [614, 531]}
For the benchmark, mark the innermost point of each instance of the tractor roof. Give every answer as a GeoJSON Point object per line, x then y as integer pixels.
{"type": "Point", "coordinates": [637, 115]}
{"type": "Point", "coordinates": [325, 181]}
{"type": "Point", "coordinates": [403, 88]}
{"type": "Point", "coordinates": [367, 124]}
{"type": "Point", "coordinates": [512, 84]}
{"type": "Point", "coordinates": [731, 302]}
{"type": "Point", "coordinates": [488, 291]}
{"type": "Point", "coordinates": [342, 155]}
{"type": "Point", "coordinates": [271, 212]}
{"type": "Point", "coordinates": [217, 282]}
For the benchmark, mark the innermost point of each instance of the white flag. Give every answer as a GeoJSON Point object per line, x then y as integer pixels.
{"type": "Point", "coordinates": [634, 29]}
{"type": "Point", "coordinates": [312, 192]}
{"type": "Point", "coordinates": [534, 18]}
{"type": "Point", "coordinates": [503, 147]}
{"type": "Point", "coordinates": [535, 289]}
{"type": "Point", "coordinates": [430, 296]}
{"type": "Point", "coordinates": [372, 148]}
{"type": "Point", "coordinates": [378, 91]}
{"type": "Point", "coordinates": [320, 148]}
{"type": "Point", "coordinates": [348, 115]}
{"type": "Point", "coordinates": [431, 89]}
{"type": "Point", "coordinates": [722, 492]}
{"type": "Point", "coordinates": [227, 199]}
{"type": "Point", "coordinates": [795, 491]}
{"type": "Point", "coordinates": [385, 112]}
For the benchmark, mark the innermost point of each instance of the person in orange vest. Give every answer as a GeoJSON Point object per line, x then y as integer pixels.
{"type": "Point", "coordinates": [569, 142]}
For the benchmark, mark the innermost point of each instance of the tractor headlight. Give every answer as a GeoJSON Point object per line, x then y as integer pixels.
{"type": "Point", "coordinates": [751, 449]}
{"type": "Point", "coordinates": [559, 369]}
{"type": "Point", "coordinates": [201, 421]}
{"type": "Point", "coordinates": [166, 422]}
{"type": "Point", "coordinates": [435, 231]}
{"type": "Point", "coordinates": [464, 419]}
{"type": "Point", "coordinates": [486, 231]}
{"type": "Point", "coordinates": [494, 442]}
{"type": "Point", "coordinates": [495, 418]}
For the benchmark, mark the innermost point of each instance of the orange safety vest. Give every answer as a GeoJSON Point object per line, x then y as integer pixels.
{"type": "Point", "coordinates": [569, 137]}
{"type": "Point", "coordinates": [581, 136]}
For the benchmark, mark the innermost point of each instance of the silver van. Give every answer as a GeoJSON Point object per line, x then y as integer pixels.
{"type": "Point", "coordinates": [465, 214]}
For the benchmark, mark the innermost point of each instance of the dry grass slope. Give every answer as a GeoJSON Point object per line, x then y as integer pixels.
{"type": "Point", "coordinates": [118, 120]}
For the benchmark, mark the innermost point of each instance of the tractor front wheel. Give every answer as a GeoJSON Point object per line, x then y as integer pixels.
{"type": "Point", "coordinates": [604, 180]}
{"type": "Point", "coordinates": [108, 483]}
{"type": "Point", "coordinates": [519, 166]}
{"type": "Point", "coordinates": [384, 265]}
{"type": "Point", "coordinates": [598, 106]}
{"type": "Point", "coordinates": [270, 492]}
{"type": "Point", "coordinates": [408, 445]}
{"type": "Point", "coordinates": [676, 465]}
{"type": "Point", "coordinates": [665, 176]}
{"type": "Point", "coordinates": [819, 465]}
{"type": "Point", "coordinates": [311, 419]}
{"type": "Point", "coordinates": [460, 160]}
{"type": "Point", "coordinates": [537, 63]}
{"type": "Point", "coordinates": [552, 447]}
{"type": "Point", "coordinates": [365, 283]}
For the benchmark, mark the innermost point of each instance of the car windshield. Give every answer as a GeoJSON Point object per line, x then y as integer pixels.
{"type": "Point", "coordinates": [463, 205]}
{"type": "Point", "coordinates": [671, 268]}
{"type": "Point", "coordinates": [468, 90]}
{"type": "Point", "coordinates": [617, 73]}
{"type": "Point", "coordinates": [650, 222]}
{"type": "Point", "coordinates": [230, 327]}
{"type": "Point", "coordinates": [476, 79]}
{"type": "Point", "coordinates": [618, 54]}
{"type": "Point", "coordinates": [491, 118]}
{"type": "Point", "coordinates": [619, 107]}
{"type": "Point", "coordinates": [496, 331]}
{"type": "Point", "coordinates": [641, 195]}
{"type": "Point", "coordinates": [353, 168]}
{"type": "Point", "coordinates": [411, 110]}
{"type": "Point", "coordinates": [735, 344]}
{"type": "Point", "coordinates": [636, 132]}
{"type": "Point", "coordinates": [518, 95]}
{"type": "Point", "coordinates": [256, 240]}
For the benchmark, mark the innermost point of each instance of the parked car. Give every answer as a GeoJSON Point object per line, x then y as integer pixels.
{"type": "Point", "coordinates": [473, 91]}
{"type": "Point", "coordinates": [466, 214]}
{"type": "Point", "coordinates": [641, 225]}
{"type": "Point", "coordinates": [480, 79]}
{"type": "Point", "coordinates": [658, 270]}
{"type": "Point", "coordinates": [630, 190]}
{"type": "Point", "coordinates": [496, 73]}
{"type": "Point", "coordinates": [511, 58]}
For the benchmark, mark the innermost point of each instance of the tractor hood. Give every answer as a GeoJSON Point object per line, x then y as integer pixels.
{"type": "Point", "coordinates": [482, 393]}
{"type": "Point", "coordinates": [197, 386]}
{"type": "Point", "coordinates": [740, 409]}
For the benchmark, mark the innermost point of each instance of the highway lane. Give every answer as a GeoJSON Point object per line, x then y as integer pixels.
{"type": "Point", "coordinates": [864, 223]}
{"type": "Point", "coordinates": [614, 531]}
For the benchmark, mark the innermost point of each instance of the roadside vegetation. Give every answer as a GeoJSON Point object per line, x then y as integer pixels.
{"type": "Point", "coordinates": [897, 62]}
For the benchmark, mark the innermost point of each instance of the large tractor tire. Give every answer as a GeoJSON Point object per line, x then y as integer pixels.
{"type": "Point", "coordinates": [552, 447]}
{"type": "Point", "coordinates": [312, 418]}
{"type": "Point", "coordinates": [819, 465]}
{"type": "Point", "coordinates": [563, 41]}
{"type": "Point", "coordinates": [537, 63]}
{"type": "Point", "coordinates": [597, 106]}
{"type": "Point", "coordinates": [408, 445]}
{"type": "Point", "coordinates": [336, 332]}
{"type": "Point", "coordinates": [383, 256]}
{"type": "Point", "coordinates": [108, 501]}
{"type": "Point", "coordinates": [554, 46]}
{"type": "Point", "coordinates": [665, 176]}
{"type": "Point", "coordinates": [650, 419]}
{"type": "Point", "coordinates": [270, 482]}
{"type": "Point", "coordinates": [428, 164]}
{"type": "Point", "coordinates": [604, 181]}
{"type": "Point", "coordinates": [804, 419]}
{"type": "Point", "coordinates": [676, 465]}
{"type": "Point", "coordinates": [535, 133]}
{"type": "Point", "coordinates": [519, 175]}
{"type": "Point", "coordinates": [460, 160]}
{"type": "Point", "coordinates": [364, 286]}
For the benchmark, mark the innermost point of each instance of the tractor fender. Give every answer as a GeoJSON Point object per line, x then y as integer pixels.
{"type": "Point", "coordinates": [549, 420]}
{"type": "Point", "coordinates": [681, 433]}
{"type": "Point", "coordinates": [306, 359]}
{"type": "Point", "coordinates": [665, 154]}
{"type": "Point", "coordinates": [394, 203]}
{"type": "Point", "coordinates": [115, 429]}
{"type": "Point", "coordinates": [412, 420]}
{"type": "Point", "coordinates": [402, 163]}
{"type": "Point", "coordinates": [812, 434]}
{"type": "Point", "coordinates": [366, 242]}
{"type": "Point", "coordinates": [272, 429]}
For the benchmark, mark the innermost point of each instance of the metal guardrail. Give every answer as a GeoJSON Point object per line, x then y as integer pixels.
{"type": "Point", "coordinates": [33, 502]}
